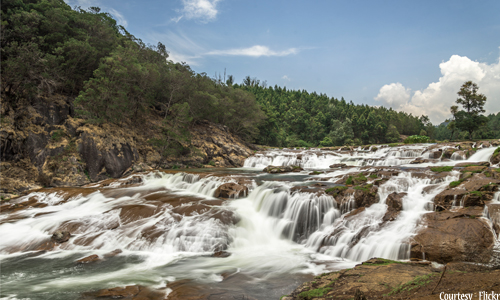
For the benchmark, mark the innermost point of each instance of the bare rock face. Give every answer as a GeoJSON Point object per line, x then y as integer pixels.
{"type": "Point", "coordinates": [453, 236]}
{"type": "Point", "coordinates": [115, 161]}
{"type": "Point", "coordinates": [231, 190]}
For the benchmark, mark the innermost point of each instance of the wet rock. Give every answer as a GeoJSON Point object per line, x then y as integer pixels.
{"type": "Point", "coordinates": [113, 253]}
{"type": "Point", "coordinates": [279, 169]}
{"type": "Point", "coordinates": [445, 199]}
{"type": "Point", "coordinates": [221, 254]}
{"type": "Point", "coordinates": [88, 259]}
{"type": "Point", "coordinates": [495, 158]}
{"type": "Point", "coordinates": [337, 166]}
{"type": "Point", "coordinates": [231, 190]}
{"type": "Point", "coordinates": [452, 236]}
{"type": "Point", "coordinates": [132, 292]}
{"type": "Point", "coordinates": [448, 152]}
{"type": "Point", "coordinates": [394, 205]}
{"type": "Point", "coordinates": [420, 160]}
{"type": "Point", "coordinates": [437, 154]}
{"type": "Point", "coordinates": [61, 236]}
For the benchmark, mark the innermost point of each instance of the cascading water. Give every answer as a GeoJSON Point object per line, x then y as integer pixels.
{"type": "Point", "coordinates": [168, 226]}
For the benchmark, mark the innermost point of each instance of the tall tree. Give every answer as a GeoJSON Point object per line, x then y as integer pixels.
{"type": "Point", "coordinates": [470, 119]}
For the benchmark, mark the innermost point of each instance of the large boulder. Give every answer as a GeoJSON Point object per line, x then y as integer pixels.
{"type": "Point", "coordinates": [231, 190]}
{"type": "Point", "coordinates": [453, 236]}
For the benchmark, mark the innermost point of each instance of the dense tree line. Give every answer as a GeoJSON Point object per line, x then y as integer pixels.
{"type": "Point", "coordinates": [47, 47]}
{"type": "Point", "coordinates": [299, 118]}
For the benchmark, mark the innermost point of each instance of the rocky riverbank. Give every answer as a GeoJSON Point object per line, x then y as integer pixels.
{"type": "Point", "coordinates": [47, 146]}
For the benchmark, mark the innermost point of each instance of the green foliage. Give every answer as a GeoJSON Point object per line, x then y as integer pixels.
{"type": "Point", "coordinates": [455, 183]}
{"type": "Point", "coordinates": [319, 120]}
{"type": "Point", "coordinates": [57, 135]}
{"type": "Point", "coordinates": [477, 193]}
{"type": "Point", "coordinates": [309, 295]}
{"type": "Point", "coordinates": [212, 163]}
{"type": "Point", "coordinates": [469, 119]}
{"type": "Point", "coordinates": [47, 48]}
{"type": "Point", "coordinates": [373, 175]}
{"type": "Point", "coordinates": [416, 139]}
{"type": "Point", "coordinates": [442, 169]}
{"type": "Point", "coordinates": [336, 189]}
{"type": "Point", "coordinates": [349, 180]}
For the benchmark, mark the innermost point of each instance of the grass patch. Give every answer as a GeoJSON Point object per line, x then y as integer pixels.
{"type": "Point", "coordinates": [349, 180]}
{"type": "Point", "coordinates": [477, 193]}
{"type": "Point", "coordinates": [365, 188]}
{"type": "Point", "coordinates": [497, 150]}
{"type": "Point", "coordinates": [308, 295]}
{"type": "Point", "coordinates": [212, 163]}
{"type": "Point", "coordinates": [373, 176]}
{"type": "Point", "coordinates": [57, 135]}
{"type": "Point", "coordinates": [336, 189]}
{"type": "Point", "coordinates": [395, 144]}
{"type": "Point", "coordinates": [315, 172]}
{"type": "Point", "coordinates": [361, 177]}
{"type": "Point", "coordinates": [417, 282]}
{"type": "Point", "coordinates": [442, 169]}
{"type": "Point", "coordinates": [455, 183]}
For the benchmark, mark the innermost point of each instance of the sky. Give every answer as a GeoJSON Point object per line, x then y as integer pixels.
{"type": "Point", "coordinates": [412, 56]}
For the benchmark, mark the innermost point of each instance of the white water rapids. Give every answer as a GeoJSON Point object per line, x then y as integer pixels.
{"type": "Point", "coordinates": [168, 226]}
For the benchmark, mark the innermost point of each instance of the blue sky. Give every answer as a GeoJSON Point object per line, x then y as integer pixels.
{"type": "Point", "coordinates": [410, 55]}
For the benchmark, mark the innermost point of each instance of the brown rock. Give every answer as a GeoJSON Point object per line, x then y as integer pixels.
{"type": "Point", "coordinates": [280, 169]}
{"type": "Point", "coordinates": [495, 159]}
{"type": "Point", "coordinates": [88, 259]}
{"type": "Point", "coordinates": [453, 237]}
{"type": "Point", "coordinates": [394, 205]}
{"type": "Point", "coordinates": [337, 166]}
{"type": "Point", "coordinates": [474, 169]}
{"type": "Point", "coordinates": [445, 199]}
{"type": "Point", "coordinates": [61, 236]}
{"type": "Point", "coordinates": [231, 190]}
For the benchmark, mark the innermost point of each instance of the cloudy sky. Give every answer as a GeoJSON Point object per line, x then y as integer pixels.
{"type": "Point", "coordinates": [410, 55]}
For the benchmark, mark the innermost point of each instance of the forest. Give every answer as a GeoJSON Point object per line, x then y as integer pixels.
{"type": "Point", "coordinates": [49, 48]}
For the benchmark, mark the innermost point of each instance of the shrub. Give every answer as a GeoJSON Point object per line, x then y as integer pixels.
{"type": "Point", "coordinates": [416, 139]}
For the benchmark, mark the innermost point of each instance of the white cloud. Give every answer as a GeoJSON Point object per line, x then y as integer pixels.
{"type": "Point", "coordinates": [436, 99]}
{"type": "Point", "coordinates": [86, 4]}
{"type": "Point", "coordinates": [394, 94]}
{"type": "Point", "coordinates": [180, 47]}
{"type": "Point", "coordinates": [255, 51]}
{"type": "Point", "coordinates": [286, 78]}
{"type": "Point", "coordinates": [202, 10]}
{"type": "Point", "coordinates": [120, 19]}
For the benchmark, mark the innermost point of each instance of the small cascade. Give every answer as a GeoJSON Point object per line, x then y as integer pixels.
{"type": "Point", "coordinates": [458, 156]}
{"type": "Point", "coordinates": [186, 183]}
{"type": "Point", "coordinates": [365, 235]}
{"type": "Point", "coordinates": [296, 215]}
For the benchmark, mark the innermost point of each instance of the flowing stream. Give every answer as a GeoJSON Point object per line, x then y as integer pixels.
{"type": "Point", "coordinates": [165, 226]}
